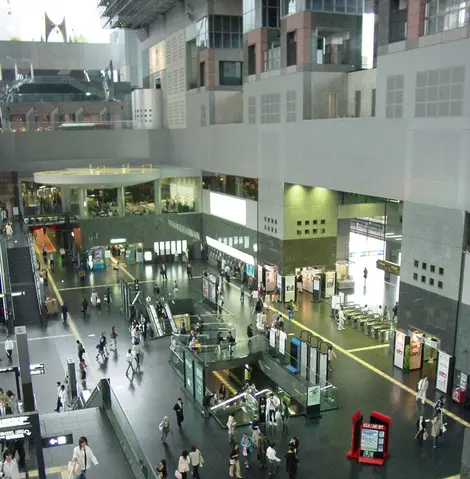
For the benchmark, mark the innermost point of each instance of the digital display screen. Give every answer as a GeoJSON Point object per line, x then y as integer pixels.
{"type": "Point", "coordinates": [370, 440]}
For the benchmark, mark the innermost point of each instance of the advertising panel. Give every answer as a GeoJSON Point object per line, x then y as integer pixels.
{"type": "Point", "coordinates": [313, 365]}
{"type": "Point", "coordinates": [228, 207]}
{"type": "Point", "coordinates": [189, 374]}
{"type": "Point", "coordinates": [199, 382]}
{"type": "Point", "coordinates": [323, 371]}
{"type": "Point", "coordinates": [289, 289]}
{"type": "Point", "coordinates": [443, 367]}
{"type": "Point", "coordinates": [313, 396]}
{"type": "Point", "coordinates": [399, 349]}
{"type": "Point", "coordinates": [282, 342]}
{"type": "Point", "coordinates": [303, 359]}
{"type": "Point", "coordinates": [272, 337]}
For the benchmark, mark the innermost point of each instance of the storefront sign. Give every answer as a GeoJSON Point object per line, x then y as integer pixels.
{"type": "Point", "coordinates": [313, 396]}
{"type": "Point", "coordinates": [282, 342]}
{"type": "Point", "coordinates": [399, 349]}
{"type": "Point", "coordinates": [199, 382]}
{"type": "Point", "coordinates": [118, 240]}
{"type": "Point", "coordinates": [443, 366]}
{"type": "Point", "coordinates": [388, 266]}
{"type": "Point", "coordinates": [289, 289]}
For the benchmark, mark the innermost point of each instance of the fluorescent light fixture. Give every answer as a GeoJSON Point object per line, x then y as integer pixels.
{"type": "Point", "coordinates": [88, 93]}
{"type": "Point", "coordinates": [234, 253]}
{"type": "Point", "coordinates": [148, 256]}
{"type": "Point", "coordinates": [118, 240]}
{"type": "Point", "coordinates": [228, 207]}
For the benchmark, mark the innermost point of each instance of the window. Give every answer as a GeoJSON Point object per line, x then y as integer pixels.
{"type": "Point", "coordinates": [249, 15]}
{"type": "Point", "coordinates": [424, 266]}
{"type": "Point", "coordinates": [271, 108]}
{"type": "Point", "coordinates": [202, 74]}
{"type": "Point", "coordinates": [442, 15]}
{"type": "Point", "coordinates": [288, 7]}
{"type": "Point", "coordinates": [415, 276]}
{"type": "Point", "coordinates": [440, 284]}
{"type": "Point", "coordinates": [252, 110]}
{"type": "Point", "coordinates": [322, 222]}
{"type": "Point", "coordinates": [338, 6]}
{"type": "Point", "coordinates": [291, 48]}
{"type": "Point", "coordinates": [272, 59]}
{"type": "Point", "coordinates": [252, 60]}
{"type": "Point", "coordinates": [307, 232]}
{"type": "Point", "coordinates": [270, 14]}
{"type": "Point", "coordinates": [225, 31]}
{"type": "Point", "coordinates": [322, 231]}
{"type": "Point", "coordinates": [299, 223]}
{"type": "Point", "coordinates": [431, 281]}
{"type": "Point", "coordinates": [315, 222]}
{"type": "Point", "coordinates": [441, 271]}
{"type": "Point", "coordinates": [432, 268]}
{"type": "Point", "coordinates": [394, 105]}
{"type": "Point", "coordinates": [291, 108]}
{"type": "Point", "coordinates": [299, 232]}
{"type": "Point", "coordinates": [315, 231]}
{"type": "Point", "coordinates": [416, 263]}
{"type": "Point", "coordinates": [202, 33]}
{"type": "Point", "coordinates": [372, 108]}
{"type": "Point", "coordinates": [357, 103]}
{"type": "Point", "coordinates": [423, 279]}
{"type": "Point", "coordinates": [307, 223]}
{"type": "Point", "coordinates": [203, 115]}
{"type": "Point", "coordinates": [440, 92]}
{"type": "Point", "coordinates": [230, 73]}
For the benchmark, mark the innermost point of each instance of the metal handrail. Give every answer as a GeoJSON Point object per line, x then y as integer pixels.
{"type": "Point", "coordinates": [32, 257]}
{"type": "Point", "coordinates": [9, 308]}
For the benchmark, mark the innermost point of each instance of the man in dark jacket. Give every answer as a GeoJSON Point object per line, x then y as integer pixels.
{"type": "Point", "coordinates": [178, 408]}
{"type": "Point", "coordinates": [291, 463]}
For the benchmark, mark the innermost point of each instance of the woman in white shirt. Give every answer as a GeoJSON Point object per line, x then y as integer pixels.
{"type": "Point", "coordinates": [196, 460]}
{"type": "Point", "coordinates": [183, 464]}
{"type": "Point", "coordinates": [9, 468]}
{"type": "Point", "coordinates": [82, 455]}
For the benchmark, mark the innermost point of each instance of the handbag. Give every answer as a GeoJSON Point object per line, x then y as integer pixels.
{"type": "Point", "coordinates": [178, 475]}
{"type": "Point", "coordinates": [425, 435]}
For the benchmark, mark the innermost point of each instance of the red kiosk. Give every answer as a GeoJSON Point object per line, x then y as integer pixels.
{"type": "Point", "coordinates": [369, 441]}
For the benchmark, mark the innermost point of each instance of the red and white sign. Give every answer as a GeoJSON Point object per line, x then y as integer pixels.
{"type": "Point", "coordinates": [399, 349]}
{"type": "Point", "coordinates": [443, 366]}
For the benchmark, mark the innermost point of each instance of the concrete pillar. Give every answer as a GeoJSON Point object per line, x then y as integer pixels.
{"type": "Point", "coordinates": [342, 243]}
{"type": "Point", "coordinates": [383, 27]}
{"type": "Point", "coordinates": [431, 271]}
{"type": "Point", "coordinates": [79, 115]}
{"type": "Point", "coordinates": [302, 24]}
{"type": "Point", "coordinates": [82, 203]}
{"type": "Point", "coordinates": [104, 114]}
{"type": "Point", "coordinates": [416, 18]}
{"type": "Point", "coordinates": [121, 201]}
{"type": "Point", "coordinates": [158, 197]}
{"type": "Point", "coordinates": [25, 373]}
{"type": "Point", "coordinates": [465, 471]}
{"type": "Point", "coordinates": [30, 119]}
{"type": "Point", "coordinates": [55, 118]}
{"type": "Point", "coordinates": [65, 196]}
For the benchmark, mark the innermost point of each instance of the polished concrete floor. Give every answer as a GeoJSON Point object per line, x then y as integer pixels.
{"type": "Point", "coordinates": [366, 381]}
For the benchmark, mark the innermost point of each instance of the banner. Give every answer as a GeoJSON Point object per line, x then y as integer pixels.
{"type": "Point", "coordinates": [272, 337]}
{"type": "Point", "coordinates": [443, 366]}
{"type": "Point", "coordinates": [313, 396]}
{"type": "Point", "coordinates": [399, 349]}
{"type": "Point", "coordinates": [282, 342]}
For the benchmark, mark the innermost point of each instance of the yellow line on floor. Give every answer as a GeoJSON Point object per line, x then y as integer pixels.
{"type": "Point", "coordinates": [123, 269]}
{"type": "Point", "coordinates": [365, 364]}
{"type": "Point", "coordinates": [367, 348]}
{"type": "Point", "coordinates": [225, 382]}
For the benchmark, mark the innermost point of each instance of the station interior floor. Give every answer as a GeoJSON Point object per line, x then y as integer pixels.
{"type": "Point", "coordinates": [363, 373]}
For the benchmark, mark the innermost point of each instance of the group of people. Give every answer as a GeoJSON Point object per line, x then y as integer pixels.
{"type": "Point", "coordinates": [438, 426]}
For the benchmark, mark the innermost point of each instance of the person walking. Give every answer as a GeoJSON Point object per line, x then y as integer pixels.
{"type": "Point", "coordinates": [80, 350]}
{"type": "Point", "coordinates": [196, 460]}
{"type": "Point", "coordinates": [107, 298]}
{"type": "Point", "coordinates": [421, 433]}
{"type": "Point", "coordinates": [57, 408]}
{"type": "Point", "coordinates": [262, 444]}
{"type": "Point", "coordinates": [163, 272]}
{"type": "Point", "coordinates": [183, 465]}
{"type": "Point", "coordinates": [222, 392]}
{"type": "Point", "coordinates": [366, 273]}
{"type": "Point", "coordinates": [247, 448]}
{"type": "Point", "coordinates": [189, 272]}
{"type": "Point", "coordinates": [272, 405]}
{"type": "Point", "coordinates": [162, 470]}
{"type": "Point", "coordinates": [179, 410]}
{"type": "Point", "coordinates": [82, 455]}
{"type": "Point", "coordinates": [242, 293]}
{"type": "Point", "coordinates": [341, 319]}
{"type": "Point", "coordinates": [423, 385]}
{"type": "Point", "coordinates": [9, 467]}
{"type": "Point", "coordinates": [438, 407]}
{"type": "Point", "coordinates": [136, 355]}
{"type": "Point", "coordinates": [291, 463]}
{"type": "Point", "coordinates": [85, 307]}
{"type": "Point", "coordinates": [81, 275]}
{"type": "Point", "coordinates": [234, 461]}
{"type": "Point", "coordinates": [9, 230]}
{"type": "Point", "coordinates": [231, 343]}
{"type": "Point", "coordinates": [52, 262]}
{"type": "Point", "coordinates": [82, 366]}
{"type": "Point", "coordinates": [101, 349]}
{"type": "Point", "coordinates": [330, 355]}
{"type": "Point", "coordinates": [129, 360]}
{"type": "Point", "coordinates": [284, 410]}
{"type": "Point", "coordinates": [62, 255]}
{"type": "Point", "coordinates": [9, 349]}
{"type": "Point", "coordinates": [113, 336]}
{"type": "Point", "coordinates": [63, 397]}
{"type": "Point", "coordinates": [435, 429]}
{"type": "Point", "coordinates": [395, 311]}
{"type": "Point", "coordinates": [65, 312]}
{"type": "Point", "coordinates": [231, 423]}
{"type": "Point", "coordinates": [164, 427]}
{"type": "Point", "coordinates": [294, 442]}
{"type": "Point", "coordinates": [273, 460]}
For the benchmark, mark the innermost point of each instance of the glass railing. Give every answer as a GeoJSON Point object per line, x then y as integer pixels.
{"type": "Point", "coordinates": [22, 127]}
{"type": "Point", "coordinates": [137, 458]}
{"type": "Point", "coordinates": [35, 270]}
{"type": "Point", "coordinates": [48, 97]}
{"type": "Point", "coordinates": [8, 307]}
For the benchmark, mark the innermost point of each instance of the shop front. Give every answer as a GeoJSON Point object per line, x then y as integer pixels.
{"type": "Point", "coordinates": [315, 280]}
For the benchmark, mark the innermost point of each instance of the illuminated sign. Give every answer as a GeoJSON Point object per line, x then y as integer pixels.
{"type": "Point", "coordinates": [18, 421]}
{"type": "Point", "coordinates": [55, 441]}
{"type": "Point", "coordinates": [228, 207]}
{"type": "Point", "coordinates": [118, 240]}
{"type": "Point", "coordinates": [17, 427]}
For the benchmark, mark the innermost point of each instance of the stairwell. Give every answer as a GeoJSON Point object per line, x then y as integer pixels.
{"type": "Point", "coordinates": [21, 278]}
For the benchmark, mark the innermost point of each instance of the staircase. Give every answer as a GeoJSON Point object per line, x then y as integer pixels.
{"type": "Point", "coordinates": [21, 278]}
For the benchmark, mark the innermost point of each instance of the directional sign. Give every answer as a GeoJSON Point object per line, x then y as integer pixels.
{"type": "Point", "coordinates": [15, 434]}
{"type": "Point", "coordinates": [55, 441]}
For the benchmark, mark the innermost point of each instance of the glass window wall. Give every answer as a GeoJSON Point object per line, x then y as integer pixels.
{"type": "Point", "coordinates": [231, 185]}
{"type": "Point", "coordinates": [202, 33]}
{"type": "Point", "coordinates": [140, 199]}
{"type": "Point", "coordinates": [230, 73]}
{"type": "Point", "coordinates": [336, 6]}
{"type": "Point", "coordinates": [40, 199]}
{"type": "Point", "coordinates": [442, 15]}
{"type": "Point", "coordinates": [180, 195]}
{"type": "Point", "coordinates": [271, 13]}
{"type": "Point", "coordinates": [225, 31]}
{"type": "Point", "coordinates": [102, 203]}
{"type": "Point", "coordinates": [249, 15]}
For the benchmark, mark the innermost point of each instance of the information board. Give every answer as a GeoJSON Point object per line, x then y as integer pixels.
{"type": "Point", "coordinates": [199, 383]}
{"type": "Point", "coordinates": [282, 342]}
{"type": "Point", "coordinates": [443, 370]}
{"type": "Point", "coordinates": [189, 374]}
{"type": "Point", "coordinates": [372, 443]}
{"type": "Point", "coordinates": [272, 337]}
{"type": "Point", "coordinates": [313, 365]}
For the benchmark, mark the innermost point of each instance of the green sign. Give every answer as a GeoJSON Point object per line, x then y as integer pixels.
{"type": "Point", "coordinates": [388, 266]}
{"type": "Point", "coordinates": [313, 396]}
{"type": "Point", "coordinates": [189, 374]}
{"type": "Point", "coordinates": [199, 382]}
